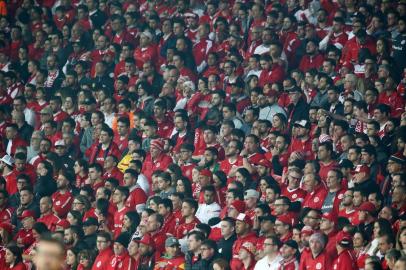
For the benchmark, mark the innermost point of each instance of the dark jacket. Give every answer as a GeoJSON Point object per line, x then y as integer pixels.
{"type": "Point", "coordinates": [298, 112]}
{"type": "Point", "coordinates": [225, 247]}
{"type": "Point", "coordinates": [200, 263]}
{"type": "Point", "coordinates": [44, 186]}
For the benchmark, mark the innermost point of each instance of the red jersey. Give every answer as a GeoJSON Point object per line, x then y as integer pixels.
{"type": "Point", "coordinates": [50, 220]}
{"type": "Point", "coordinates": [295, 195]}
{"type": "Point", "coordinates": [118, 220]}
{"type": "Point", "coordinates": [170, 224]}
{"type": "Point", "coordinates": [136, 198]}
{"type": "Point", "coordinates": [315, 198]}
{"type": "Point", "coordinates": [141, 55]}
{"type": "Point", "coordinates": [115, 173]}
{"type": "Point", "coordinates": [183, 228]}
{"type": "Point", "coordinates": [160, 163]}
{"type": "Point", "coordinates": [321, 262]}
{"type": "Point", "coordinates": [25, 237]}
{"type": "Point", "coordinates": [62, 203]}
{"type": "Point", "coordinates": [308, 62]}
{"type": "Point", "coordinates": [345, 261]}
{"type": "Point", "coordinates": [5, 214]}
{"type": "Point", "coordinates": [325, 168]}
{"type": "Point", "coordinates": [226, 165]}
{"type": "Point", "coordinates": [121, 262]}
{"type": "Point", "coordinates": [103, 259]}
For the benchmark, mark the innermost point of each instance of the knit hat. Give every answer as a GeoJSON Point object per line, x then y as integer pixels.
{"type": "Point", "coordinates": [239, 205]}
{"type": "Point", "coordinates": [158, 144]}
{"type": "Point", "coordinates": [123, 239]}
{"type": "Point", "coordinates": [206, 172]}
{"type": "Point", "coordinates": [250, 247]}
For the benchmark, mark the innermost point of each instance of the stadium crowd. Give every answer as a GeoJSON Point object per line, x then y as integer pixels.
{"type": "Point", "coordinates": [220, 134]}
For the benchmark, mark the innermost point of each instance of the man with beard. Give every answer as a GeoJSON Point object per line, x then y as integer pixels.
{"type": "Point", "coordinates": [321, 98]}
{"type": "Point", "coordinates": [312, 58]}
{"type": "Point", "coordinates": [72, 238]}
{"type": "Point", "coordinates": [268, 106]}
{"type": "Point", "coordinates": [233, 160]}
{"type": "Point", "coordinates": [62, 199]}
{"type": "Point", "coordinates": [55, 76]}
{"type": "Point", "coordinates": [266, 42]}
{"type": "Point", "coordinates": [302, 143]}
{"type": "Point", "coordinates": [317, 258]}
{"type": "Point", "coordinates": [347, 207]}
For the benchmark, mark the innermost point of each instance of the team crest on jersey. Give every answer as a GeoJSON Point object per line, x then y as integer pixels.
{"type": "Point", "coordinates": [316, 199]}
{"type": "Point", "coordinates": [294, 196]}
{"type": "Point", "coordinates": [58, 203]}
{"type": "Point", "coordinates": [98, 264]}
{"type": "Point", "coordinates": [318, 266]}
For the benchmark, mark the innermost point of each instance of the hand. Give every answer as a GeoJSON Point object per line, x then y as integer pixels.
{"type": "Point", "coordinates": [275, 151]}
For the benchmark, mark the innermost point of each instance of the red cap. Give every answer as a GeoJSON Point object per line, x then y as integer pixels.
{"type": "Point", "coordinates": [307, 230]}
{"type": "Point", "coordinates": [158, 143]}
{"type": "Point", "coordinates": [250, 247]}
{"type": "Point", "coordinates": [285, 219]}
{"type": "Point", "coordinates": [206, 172]}
{"type": "Point", "coordinates": [272, 93]}
{"type": "Point", "coordinates": [7, 227]}
{"type": "Point", "coordinates": [367, 206]}
{"type": "Point", "coordinates": [343, 238]}
{"type": "Point", "coordinates": [110, 53]}
{"type": "Point", "coordinates": [244, 218]}
{"type": "Point", "coordinates": [147, 240]}
{"type": "Point", "coordinates": [348, 65]}
{"type": "Point", "coordinates": [239, 205]}
{"type": "Point", "coordinates": [264, 162]}
{"type": "Point", "coordinates": [329, 216]}
{"type": "Point", "coordinates": [26, 214]}
{"type": "Point", "coordinates": [63, 223]}
{"type": "Point", "coordinates": [362, 169]}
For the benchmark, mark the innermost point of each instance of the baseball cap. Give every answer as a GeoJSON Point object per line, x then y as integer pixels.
{"type": "Point", "coordinates": [27, 214]}
{"type": "Point", "coordinates": [8, 160]}
{"type": "Point", "coordinates": [244, 218]}
{"type": "Point", "coordinates": [398, 158]}
{"type": "Point", "coordinates": [367, 207]}
{"type": "Point", "coordinates": [60, 143]}
{"type": "Point", "coordinates": [239, 205]}
{"type": "Point", "coordinates": [171, 241]}
{"type": "Point", "coordinates": [302, 123]}
{"type": "Point", "coordinates": [343, 238]}
{"type": "Point", "coordinates": [90, 221]}
{"type": "Point", "coordinates": [251, 193]}
{"type": "Point", "coordinates": [329, 216]}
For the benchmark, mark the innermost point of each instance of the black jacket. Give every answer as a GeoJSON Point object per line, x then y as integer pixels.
{"type": "Point", "coordinates": [298, 112]}
{"type": "Point", "coordinates": [225, 247]}
{"type": "Point", "coordinates": [44, 186]}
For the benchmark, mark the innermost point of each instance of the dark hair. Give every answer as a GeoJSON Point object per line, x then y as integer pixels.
{"type": "Point", "coordinates": [135, 219]}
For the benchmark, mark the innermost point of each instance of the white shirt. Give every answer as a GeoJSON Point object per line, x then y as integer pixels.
{"type": "Point", "coordinates": [29, 117]}
{"type": "Point", "coordinates": [207, 211]}
{"type": "Point", "coordinates": [265, 264]}
{"type": "Point", "coordinates": [142, 181]}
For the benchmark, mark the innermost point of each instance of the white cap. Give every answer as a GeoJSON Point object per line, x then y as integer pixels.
{"type": "Point", "coordinates": [8, 160]}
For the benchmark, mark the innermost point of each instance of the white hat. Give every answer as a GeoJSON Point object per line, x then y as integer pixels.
{"type": "Point", "coordinates": [60, 143]}
{"type": "Point", "coordinates": [8, 160]}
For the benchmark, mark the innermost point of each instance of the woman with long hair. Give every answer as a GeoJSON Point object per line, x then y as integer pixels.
{"type": "Point", "coordinates": [130, 222]}
{"type": "Point", "coordinates": [279, 123]}
{"type": "Point", "coordinates": [13, 258]}
{"type": "Point", "coordinates": [45, 184]}
{"type": "Point", "coordinates": [72, 259]}
{"type": "Point", "coordinates": [184, 186]}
